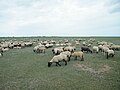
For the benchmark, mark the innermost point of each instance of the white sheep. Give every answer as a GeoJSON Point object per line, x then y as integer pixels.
{"type": "Point", "coordinates": [95, 49]}
{"type": "Point", "coordinates": [115, 47]}
{"type": "Point", "coordinates": [78, 54]}
{"type": "Point", "coordinates": [105, 49]}
{"type": "Point", "coordinates": [5, 49]}
{"type": "Point", "coordinates": [89, 45]}
{"type": "Point", "coordinates": [39, 49]}
{"type": "Point", "coordinates": [58, 58]}
{"type": "Point", "coordinates": [69, 48]}
{"type": "Point", "coordinates": [84, 43]}
{"type": "Point", "coordinates": [57, 50]}
{"type": "Point", "coordinates": [68, 53]}
{"type": "Point", "coordinates": [48, 45]}
{"type": "Point", "coordinates": [110, 53]}
{"type": "Point", "coordinates": [100, 47]}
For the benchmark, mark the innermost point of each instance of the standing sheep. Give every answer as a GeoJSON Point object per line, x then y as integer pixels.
{"type": "Point", "coordinates": [68, 53]}
{"type": "Point", "coordinates": [39, 49]}
{"type": "Point", "coordinates": [110, 53]}
{"type": "Point", "coordinates": [105, 49]}
{"type": "Point", "coordinates": [58, 58]}
{"type": "Point", "coordinates": [70, 48]}
{"type": "Point", "coordinates": [78, 54]}
{"type": "Point", "coordinates": [57, 50]}
{"type": "Point", "coordinates": [95, 49]}
{"type": "Point", "coordinates": [85, 48]}
{"type": "Point", "coordinates": [100, 47]}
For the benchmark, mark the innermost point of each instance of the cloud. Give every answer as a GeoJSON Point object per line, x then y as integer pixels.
{"type": "Point", "coordinates": [59, 17]}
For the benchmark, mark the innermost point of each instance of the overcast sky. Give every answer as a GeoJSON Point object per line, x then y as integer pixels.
{"type": "Point", "coordinates": [59, 17]}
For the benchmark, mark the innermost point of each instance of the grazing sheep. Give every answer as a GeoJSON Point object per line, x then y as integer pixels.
{"type": "Point", "coordinates": [115, 47]}
{"type": "Point", "coordinates": [77, 42]}
{"type": "Point", "coordinates": [69, 48]}
{"type": "Point", "coordinates": [48, 45]}
{"type": "Point", "coordinates": [58, 58]}
{"type": "Point", "coordinates": [105, 49]}
{"type": "Point", "coordinates": [78, 54]}
{"type": "Point", "coordinates": [95, 49]}
{"type": "Point", "coordinates": [5, 49]}
{"type": "Point", "coordinates": [39, 49]}
{"type": "Point", "coordinates": [57, 50]}
{"type": "Point", "coordinates": [100, 47]}
{"type": "Point", "coordinates": [89, 45]}
{"type": "Point", "coordinates": [84, 48]}
{"type": "Point", "coordinates": [68, 53]}
{"type": "Point", "coordinates": [84, 43]}
{"type": "Point", "coordinates": [110, 53]}
{"type": "Point", "coordinates": [28, 44]}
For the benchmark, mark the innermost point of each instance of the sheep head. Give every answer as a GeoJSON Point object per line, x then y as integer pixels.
{"type": "Point", "coordinates": [49, 64]}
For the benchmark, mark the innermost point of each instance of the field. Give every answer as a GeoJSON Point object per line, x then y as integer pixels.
{"type": "Point", "coordinates": [22, 69]}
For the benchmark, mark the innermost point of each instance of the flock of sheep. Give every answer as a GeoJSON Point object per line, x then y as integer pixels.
{"type": "Point", "coordinates": [6, 45]}
{"type": "Point", "coordinates": [64, 49]}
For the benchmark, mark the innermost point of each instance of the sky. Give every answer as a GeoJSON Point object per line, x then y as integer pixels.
{"type": "Point", "coordinates": [59, 18]}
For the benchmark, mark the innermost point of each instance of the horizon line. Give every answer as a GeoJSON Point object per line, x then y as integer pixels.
{"type": "Point", "coordinates": [64, 36]}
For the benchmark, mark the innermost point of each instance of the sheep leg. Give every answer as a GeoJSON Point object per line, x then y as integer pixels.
{"type": "Point", "coordinates": [43, 51]}
{"type": "Point", "coordinates": [75, 57]}
{"type": "Point", "coordinates": [58, 63]}
{"type": "Point", "coordinates": [2, 54]}
{"type": "Point", "coordinates": [68, 59]}
{"type": "Point", "coordinates": [65, 62]}
{"type": "Point", "coordinates": [82, 59]}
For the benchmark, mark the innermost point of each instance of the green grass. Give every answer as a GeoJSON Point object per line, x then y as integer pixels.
{"type": "Point", "coordinates": [22, 69]}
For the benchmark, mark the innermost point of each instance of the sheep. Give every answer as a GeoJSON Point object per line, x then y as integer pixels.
{"type": "Point", "coordinates": [110, 53]}
{"type": "Point", "coordinates": [68, 53]}
{"type": "Point", "coordinates": [78, 54]}
{"type": "Point", "coordinates": [39, 49]}
{"type": "Point", "coordinates": [48, 45]}
{"type": "Point", "coordinates": [57, 50]}
{"type": "Point", "coordinates": [105, 49]}
{"type": "Point", "coordinates": [84, 48]}
{"type": "Point", "coordinates": [58, 58]}
{"type": "Point", "coordinates": [100, 47]}
{"type": "Point", "coordinates": [89, 45]}
{"type": "Point", "coordinates": [28, 44]}
{"type": "Point", "coordinates": [5, 49]}
{"type": "Point", "coordinates": [95, 49]}
{"type": "Point", "coordinates": [69, 48]}
{"type": "Point", "coordinates": [84, 43]}
{"type": "Point", "coordinates": [77, 42]}
{"type": "Point", "coordinates": [115, 47]}
{"type": "Point", "coordinates": [35, 49]}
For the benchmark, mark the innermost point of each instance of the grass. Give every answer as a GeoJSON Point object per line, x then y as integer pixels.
{"type": "Point", "coordinates": [22, 69]}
